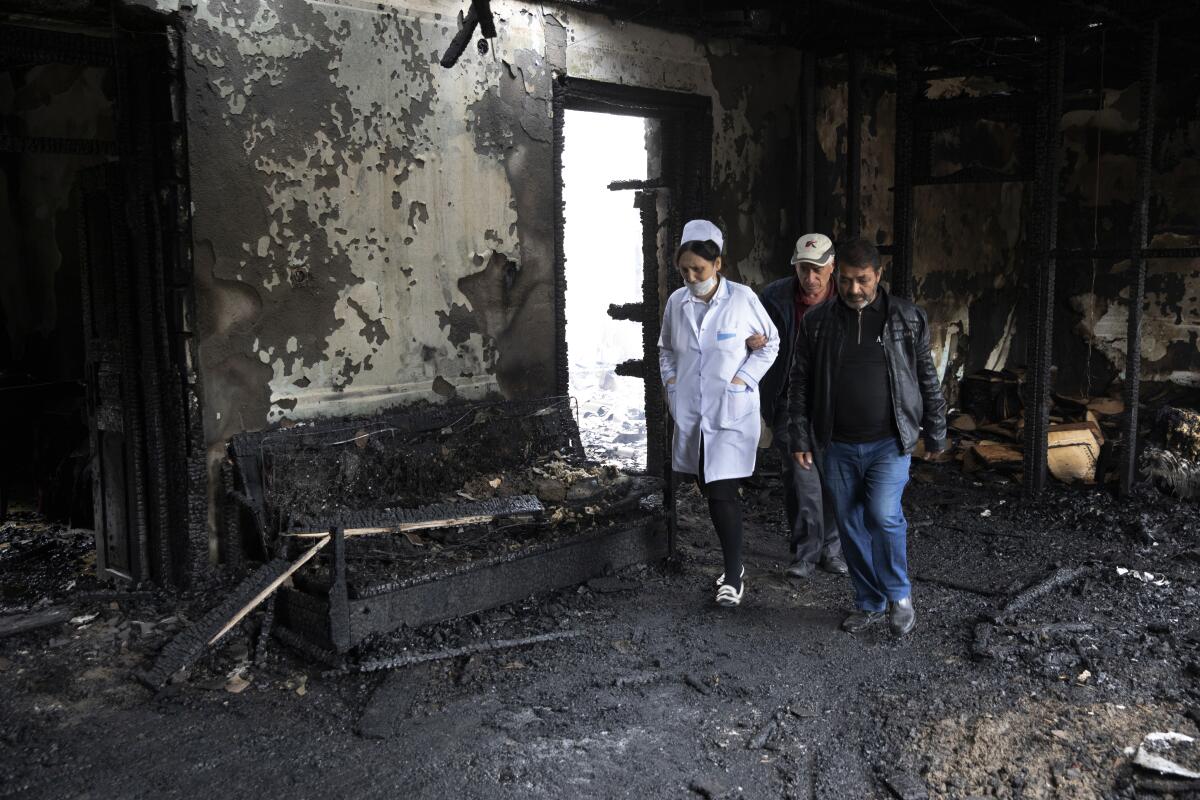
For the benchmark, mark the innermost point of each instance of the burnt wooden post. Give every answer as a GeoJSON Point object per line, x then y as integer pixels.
{"type": "Point", "coordinates": [902, 201]}
{"type": "Point", "coordinates": [1043, 233]}
{"type": "Point", "coordinates": [339, 598]}
{"type": "Point", "coordinates": [1137, 263]}
{"type": "Point", "coordinates": [562, 369]}
{"type": "Point", "coordinates": [854, 145]}
{"type": "Point", "coordinates": [808, 141]}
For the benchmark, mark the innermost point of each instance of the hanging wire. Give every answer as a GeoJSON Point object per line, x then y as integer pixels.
{"type": "Point", "coordinates": [1091, 314]}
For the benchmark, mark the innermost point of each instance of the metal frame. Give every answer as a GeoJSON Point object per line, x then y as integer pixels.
{"type": "Point", "coordinates": [1140, 234]}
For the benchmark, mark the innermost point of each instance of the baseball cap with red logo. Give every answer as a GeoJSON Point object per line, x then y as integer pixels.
{"type": "Point", "coordinates": [815, 248]}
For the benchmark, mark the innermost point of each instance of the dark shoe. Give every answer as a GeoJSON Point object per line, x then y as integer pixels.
{"type": "Point", "coordinates": [859, 620]}
{"type": "Point", "coordinates": [901, 616]}
{"type": "Point", "coordinates": [835, 564]}
{"type": "Point", "coordinates": [800, 569]}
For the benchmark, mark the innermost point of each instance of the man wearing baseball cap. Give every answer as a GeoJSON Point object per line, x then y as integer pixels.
{"type": "Point", "coordinates": [812, 526]}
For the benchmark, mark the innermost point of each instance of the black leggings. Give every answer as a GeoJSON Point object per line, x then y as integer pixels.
{"type": "Point", "coordinates": [725, 510]}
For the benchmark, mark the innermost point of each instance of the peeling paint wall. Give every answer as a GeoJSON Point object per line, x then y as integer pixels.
{"type": "Point", "coordinates": [41, 307]}
{"type": "Point", "coordinates": [968, 253]}
{"type": "Point", "coordinates": [372, 229]}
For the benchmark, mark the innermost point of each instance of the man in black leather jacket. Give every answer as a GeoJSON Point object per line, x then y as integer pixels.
{"type": "Point", "coordinates": [812, 527]}
{"type": "Point", "coordinates": [863, 391]}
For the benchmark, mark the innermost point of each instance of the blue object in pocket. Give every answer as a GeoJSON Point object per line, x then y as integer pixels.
{"type": "Point", "coordinates": [723, 335]}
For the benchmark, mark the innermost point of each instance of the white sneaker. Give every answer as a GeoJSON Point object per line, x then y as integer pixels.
{"type": "Point", "coordinates": [721, 577]}
{"type": "Point", "coordinates": [728, 596]}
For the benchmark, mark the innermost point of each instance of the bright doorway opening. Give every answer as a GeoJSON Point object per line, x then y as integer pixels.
{"type": "Point", "coordinates": [603, 254]}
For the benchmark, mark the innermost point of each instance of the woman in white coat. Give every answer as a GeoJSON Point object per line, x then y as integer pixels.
{"type": "Point", "coordinates": [711, 382]}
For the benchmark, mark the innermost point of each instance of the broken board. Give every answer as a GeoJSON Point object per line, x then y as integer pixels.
{"type": "Point", "coordinates": [991, 455]}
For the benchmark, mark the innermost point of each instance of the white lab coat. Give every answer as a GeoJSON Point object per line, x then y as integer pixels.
{"type": "Point", "coordinates": [704, 361]}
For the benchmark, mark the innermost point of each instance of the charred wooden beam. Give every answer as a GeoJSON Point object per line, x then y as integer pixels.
{"type": "Point", "coordinates": [648, 183]}
{"type": "Point", "coordinates": [46, 145]}
{"type": "Point", "coordinates": [1147, 253]}
{"type": "Point", "coordinates": [487, 23]}
{"type": "Point", "coordinates": [902, 207]}
{"type": "Point", "coordinates": [634, 312]}
{"type": "Point", "coordinates": [461, 39]}
{"type": "Point", "coordinates": [43, 46]}
{"type": "Point", "coordinates": [972, 175]}
{"type": "Point", "coordinates": [808, 140]}
{"type": "Point", "coordinates": [1060, 578]}
{"type": "Point", "coordinates": [190, 643]}
{"type": "Point", "coordinates": [381, 521]}
{"type": "Point", "coordinates": [562, 368]}
{"type": "Point", "coordinates": [1044, 235]}
{"type": "Point", "coordinates": [854, 115]}
{"type": "Point", "coordinates": [489, 646]}
{"type": "Point", "coordinates": [633, 368]}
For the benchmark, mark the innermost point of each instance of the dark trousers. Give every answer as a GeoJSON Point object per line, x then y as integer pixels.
{"type": "Point", "coordinates": [812, 523]}
{"type": "Point", "coordinates": [867, 482]}
{"type": "Point", "coordinates": [725, 511]}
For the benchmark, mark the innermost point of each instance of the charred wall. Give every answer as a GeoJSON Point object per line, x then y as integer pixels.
{"type": "Point", "coordinates": [969, 257]}
{"type": "Point", "coordinates": [371, 229]}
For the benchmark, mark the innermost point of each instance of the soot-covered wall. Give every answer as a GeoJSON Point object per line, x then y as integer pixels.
{"type": "Point", "coordinates": [371, 229]}
{"type": "Point", "coordinates": [969, 256]}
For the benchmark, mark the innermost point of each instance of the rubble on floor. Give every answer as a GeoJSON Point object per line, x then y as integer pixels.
{"type": "Point", "coordinates": [1086, 663]}
{"type": "Point", "coordinates": [611, 414]}
{"type": "Point", "coordinates": [988, 433]}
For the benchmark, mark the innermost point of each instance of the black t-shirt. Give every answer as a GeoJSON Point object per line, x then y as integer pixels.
{"type": "Point", "coordinates": [863, 394]}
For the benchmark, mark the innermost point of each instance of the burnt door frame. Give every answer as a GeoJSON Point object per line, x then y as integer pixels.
{"type": "Point", "coordinates": [679, 192]}
{"type": "Point", "coordinates": [149, 461]}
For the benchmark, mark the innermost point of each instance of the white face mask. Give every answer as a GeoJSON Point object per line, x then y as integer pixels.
{"type": "Point", "coordinates": [703, 287]}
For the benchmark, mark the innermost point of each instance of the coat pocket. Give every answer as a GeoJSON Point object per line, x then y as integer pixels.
{"type": "Point", "coordinates": [671, 391]}
{"type": "Point", "coordinates": [730, 339]}
{"type": "Point", "coordinates": [736, 405]}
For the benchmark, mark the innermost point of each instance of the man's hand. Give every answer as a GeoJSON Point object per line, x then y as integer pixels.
{"type": "Point", "coordinates": [737, 381]}
{"type": "Point", "coordinates": [671, 380]}
{"type": "Point", "coordinates": [803, 459]}
{"type": "Point", "coordinates": [756, 341]}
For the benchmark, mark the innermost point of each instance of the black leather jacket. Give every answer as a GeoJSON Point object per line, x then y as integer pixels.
{"type": "Point", "coordinates": [779, 299]}
{"type": "Point", "coordinates": [917, 398]}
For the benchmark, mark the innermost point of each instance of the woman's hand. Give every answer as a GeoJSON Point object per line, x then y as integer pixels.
{"type": "Point", "coordinates": [737, 381]}
{"type": "Point", "coordinates": [670, 381]}
{"type": "Point", "coordinates": [756, 341]}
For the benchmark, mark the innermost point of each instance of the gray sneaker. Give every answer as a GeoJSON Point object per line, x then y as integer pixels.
{"type": "Point", "coordinates": [901, 616]}
{"type": "Point", "coordinates": [859, 620]}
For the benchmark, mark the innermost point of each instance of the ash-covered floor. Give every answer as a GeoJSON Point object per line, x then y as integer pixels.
{"type": "Point", "coordinates": [662, 694]}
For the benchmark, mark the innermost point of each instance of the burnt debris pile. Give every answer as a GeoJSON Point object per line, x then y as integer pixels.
{"type": "Point", "coordinates": [1083, 435]}
{"type": "Point", "coordinates": [428, 514]}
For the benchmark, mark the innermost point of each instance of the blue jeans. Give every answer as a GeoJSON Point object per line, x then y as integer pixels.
{"type": "Point", "coordinates": [866, 482]}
